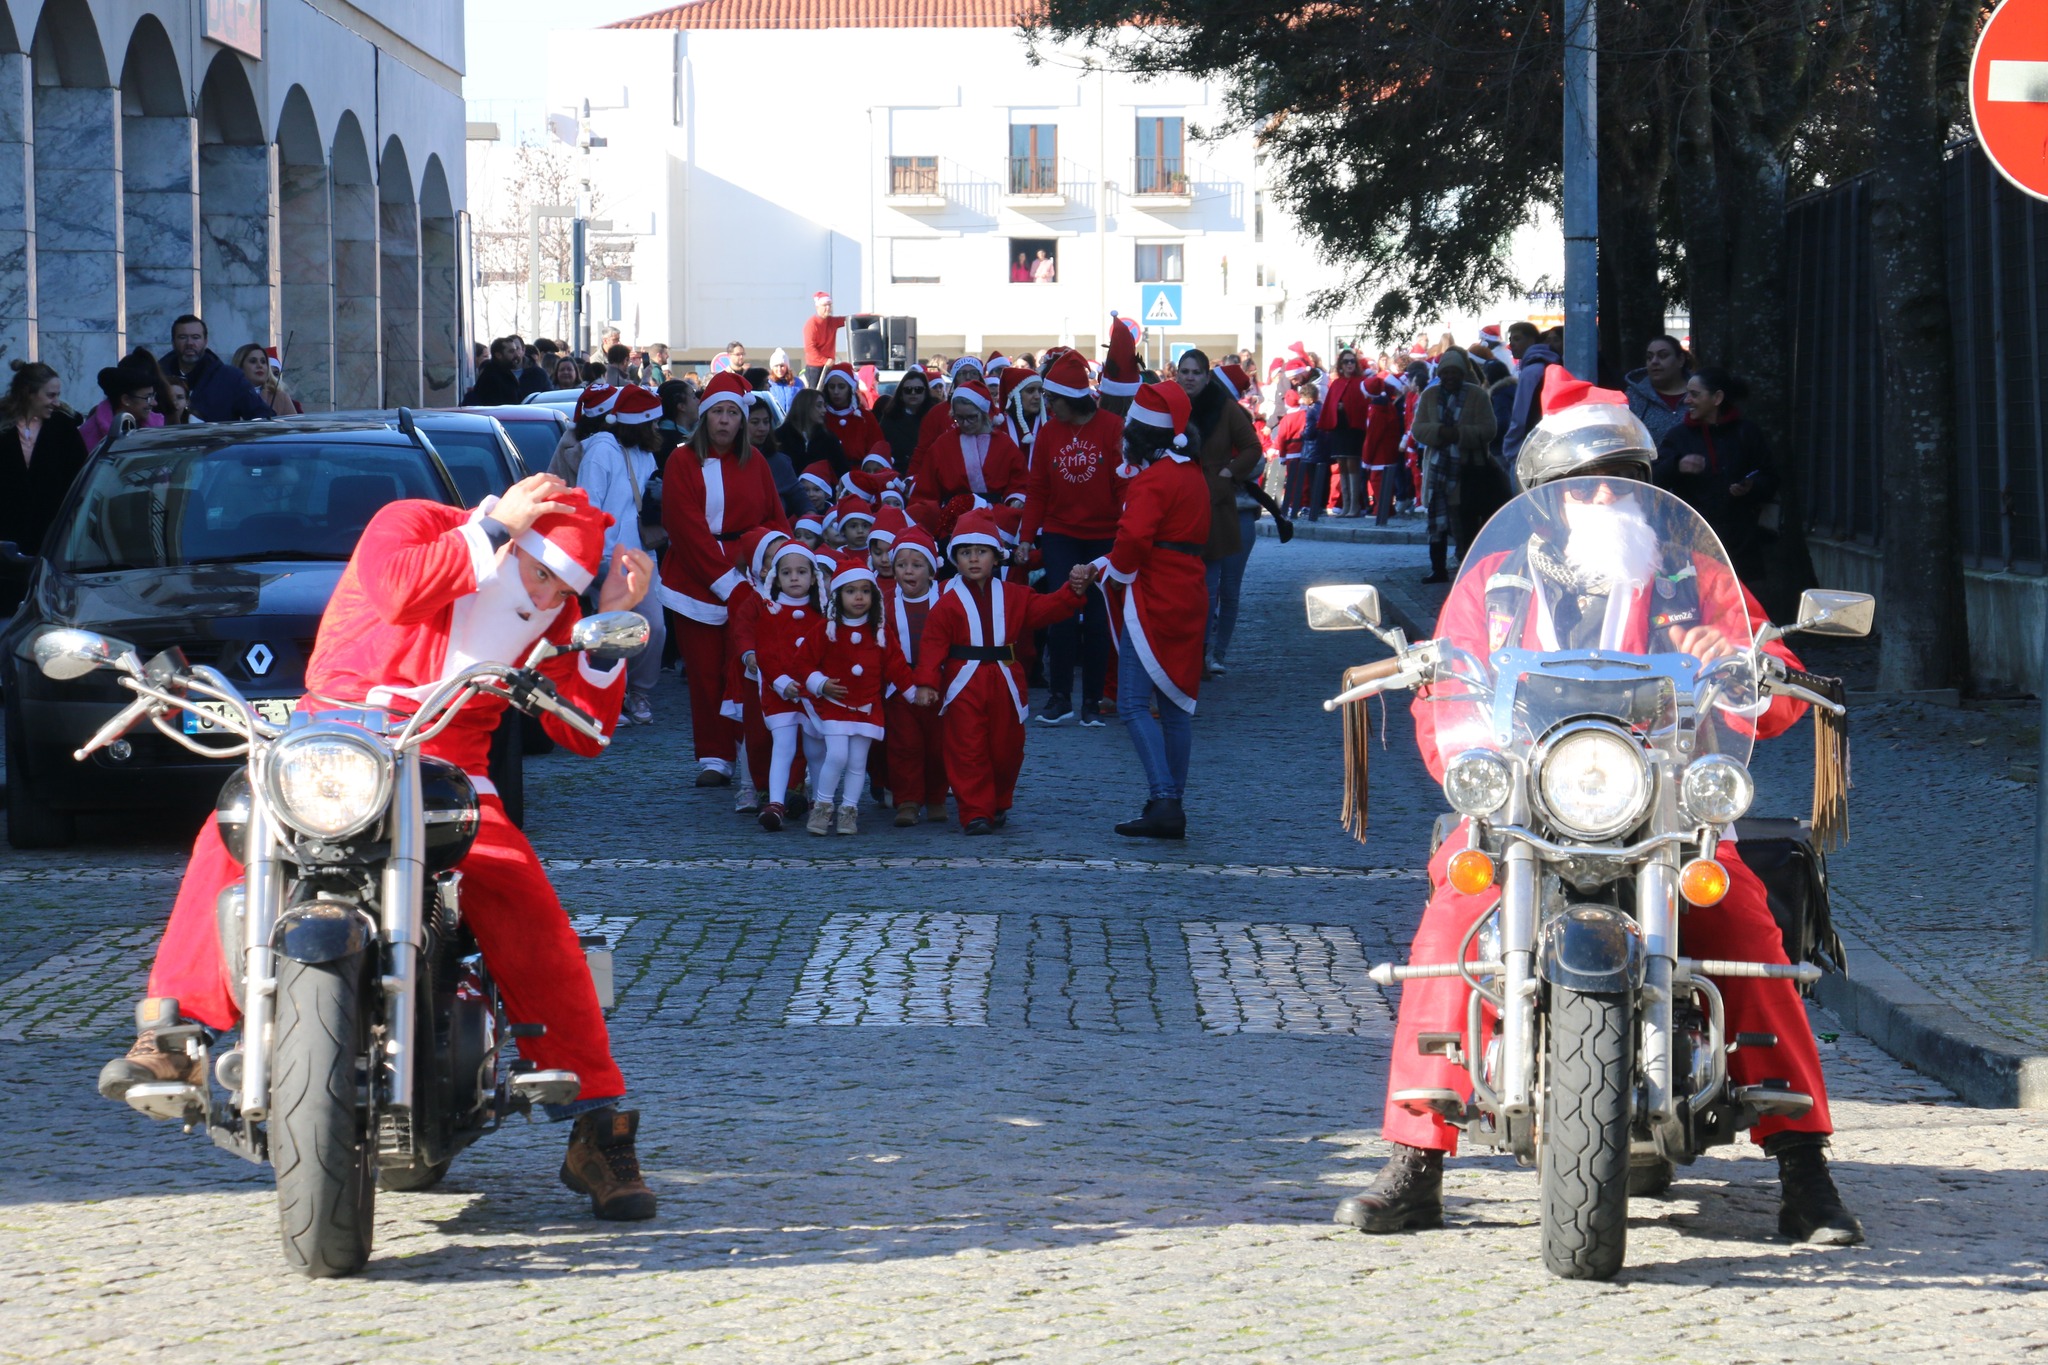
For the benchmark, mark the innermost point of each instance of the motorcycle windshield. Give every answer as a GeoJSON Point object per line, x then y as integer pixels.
{"type": "Point", "coordinates": [1595, 598]}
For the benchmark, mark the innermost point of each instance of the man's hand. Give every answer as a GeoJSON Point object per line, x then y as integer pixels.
{"type": "Point", "coordinates": [1079, 577]}
{"type": "Point", "coordinates": [1693, 464]}
{"type": "Point", "coordinates": [1704, 643]}
{"type": "Point", "coordinates": [631, 575]}
{"type": "Point", "coordinates": [527, 501]}
{"type": "Point", "coordinates": [924, 696]}
{"type": "Point", "coordinates": [1739, 490]}
{"type": "Point", "coordinates": [833, 690]}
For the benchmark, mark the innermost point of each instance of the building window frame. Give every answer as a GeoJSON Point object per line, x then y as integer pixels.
{"type": "Point", "coordinates": [1159, 262]}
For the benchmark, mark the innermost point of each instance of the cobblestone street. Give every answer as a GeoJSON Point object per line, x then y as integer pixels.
{"type": "Point", "coordinates": [1048, 1095]}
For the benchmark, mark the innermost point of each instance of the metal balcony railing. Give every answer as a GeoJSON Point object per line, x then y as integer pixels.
{"type": "Point", "coordinates": [913, 175]}
{"type": "Point", "coordinates": [1161, 175]}
{"type": "Point", "coordinates": [1034, 175]}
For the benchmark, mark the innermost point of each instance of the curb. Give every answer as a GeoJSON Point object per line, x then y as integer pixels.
{"type": "Point", "coordinates": [1349, 534]}
{"type": "Point", "coordinates": [1904, 1018]}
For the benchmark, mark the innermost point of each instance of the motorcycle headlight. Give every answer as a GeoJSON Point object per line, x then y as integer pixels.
{"type": "Point", "coordinates": [1478, 783]}
{"type": "Point", "coordinates": [1594, 781]}
{"type": "Point", "coordinates": [1717, 789]}
{"type": "Point", "coordinates": [328, 781]}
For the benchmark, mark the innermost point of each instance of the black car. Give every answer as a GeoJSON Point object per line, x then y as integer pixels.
{"type": "Point", "coordinates": [535, 428]}
{"type": "Point", "coordinates": [224, 540]}
{"type": "Point", "coordinates": [480, 454]}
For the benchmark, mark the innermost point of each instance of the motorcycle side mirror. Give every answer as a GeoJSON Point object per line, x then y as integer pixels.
{"type": "Point", "coordinates": [10, 554]}
{"type": "Point", "coordinates": [68, 653]}
{"type": "Point", "coordinates": [1354, 606]}
{"type": "Point", "coordinates": [610, 636]}
{"type": "Point", "coordinates": [1825, 612]}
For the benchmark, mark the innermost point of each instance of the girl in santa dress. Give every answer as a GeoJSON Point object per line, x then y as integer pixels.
{"type": "Point", "coordinates": [846, 420]}
{"type": "Point", "coordinates": [743, 676]}
{"type": "Point", "coordinates": [715, 489]}
{"type": "Point", "coordinates": [851, 665]}
{"type": "Point", "coordinates": [784, 629]}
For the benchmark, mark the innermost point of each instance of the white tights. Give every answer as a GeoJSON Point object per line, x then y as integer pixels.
{"type": "Point", "coordinates": [782, 757]}
{"type": "Point", "coordinates": [846, 759]}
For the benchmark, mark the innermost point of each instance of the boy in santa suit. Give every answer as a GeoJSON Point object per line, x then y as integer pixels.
{"type": "Point", "coordinates": [429, 590]}
{"type": "Point", "coordinates": [974, 457]}
{"type": "Point", "coordinates": [968, 665]}
{"type": "Point", "coordinates": [916, 763]}
{"type": "Point", "coordinates": [1159, 599]}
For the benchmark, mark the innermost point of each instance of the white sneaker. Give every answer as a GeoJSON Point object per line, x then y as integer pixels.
{"type": "Point", "coordinates": [638, 710]}
{"type": "Point", "coordinates": [820, 821]}
{"type": "Point", "coordinates": [749, 799]}
{"type": "Point", "coordinates": [849, 819]}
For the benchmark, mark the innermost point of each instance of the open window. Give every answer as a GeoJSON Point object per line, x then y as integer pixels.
{"type": "Point", "coordinates": [1034, 260]}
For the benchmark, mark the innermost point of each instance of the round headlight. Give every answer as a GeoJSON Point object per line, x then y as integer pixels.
{"type": "Point", "coordinates": [1594, 781]}
{"type": "Point", "coordinates": [1717, 789]}
{"type": "Point", "coordinates": [329, 781]}
{"type": "Point", "coordinates": [1478, 783]}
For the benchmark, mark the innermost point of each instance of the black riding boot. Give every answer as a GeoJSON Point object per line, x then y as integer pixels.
{"type": "Point", "coordinates": [1407, 1194]}
{"type": "Point", "coordinates": [1810, 1209]}
{"type": "Point", "coordinates": [1163, 819]}
{"type": "Point", "coordinates": [1439, 562]}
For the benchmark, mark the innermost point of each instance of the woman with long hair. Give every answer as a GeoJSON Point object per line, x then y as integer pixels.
{"type": "Point", "coordinates": [715, 489]}
{"type": "Point", "coordinates": [1023, 395]}
{"type": "Point", "coordinates": [40, 454]}
{"type": "Point", "coordinates": [901, 416]}
{"type": "Point", "coordinates": [266, 376]}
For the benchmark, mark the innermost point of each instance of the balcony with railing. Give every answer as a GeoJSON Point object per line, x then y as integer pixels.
{"type": "Point", "coordinates": [914, 183]}
{"type": "Point", "coordinates": [1162, 181]}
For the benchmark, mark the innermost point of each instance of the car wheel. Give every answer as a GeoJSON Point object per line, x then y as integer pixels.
{"type": "Point", "coordinates": [32, 822]}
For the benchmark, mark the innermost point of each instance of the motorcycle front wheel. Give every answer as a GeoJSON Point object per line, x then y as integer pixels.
{"type": "Point", "coordinates": [1583, 1166]}
{"type": "Point", "coordinates": [319, 1140]}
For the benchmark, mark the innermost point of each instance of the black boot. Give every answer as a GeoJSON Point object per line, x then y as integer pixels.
{"type": "Point", "coordinates": [1439, 556]}
{"type": "Point", "coordinates": [1163, 819]}
{"type": "Point", "coordinates": [1407, 1194]}
{"type": "Point", "coordinates": [1810, 1209]}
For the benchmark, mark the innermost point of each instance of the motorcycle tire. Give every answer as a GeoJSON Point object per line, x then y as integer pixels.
{"type": "Point", "coordinates": [320, 1145]}
{"type": "Point", "coordinates": [1584, 1148]}
{"type": "Point", "coordinates": [422, 1175]}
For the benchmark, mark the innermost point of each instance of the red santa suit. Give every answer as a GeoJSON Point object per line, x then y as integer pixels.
{"type": "Point", "coordinates": [857, 654]}
{"type": "Point", "coordinates": [1154, 574]}
{"type": "Point", "coordinates": [706, 508]}
{"type": "Point", "coordinates": [854, 427]}
{"type": "Point", "coordinates": [969, 653]}
{"type": "Point", "coordinates": [425, 595]}
{"type": "Point", "coordinates": [1385, 424]}
{"type": "Point", "coordinates": [916, 734]}
{"type": "Point", "coordinates": [1740, 928]}
{"type": "Point", "coordinates": [742, 701]}
{"type": "Point", "coordinates": [988, 466]}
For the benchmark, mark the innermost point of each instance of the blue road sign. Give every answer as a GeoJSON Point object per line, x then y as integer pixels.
{"type": "Point", "coordinates": [1159, 305]}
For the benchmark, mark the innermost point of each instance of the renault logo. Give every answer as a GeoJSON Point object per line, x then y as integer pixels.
{"type": "Point", "coordinates": [259, 658]}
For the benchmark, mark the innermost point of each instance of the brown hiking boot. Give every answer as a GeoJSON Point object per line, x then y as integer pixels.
{"type": "Point", "coordinates": [601, 1163]}
{"type": "Point", "coordinates": [145, 1061]}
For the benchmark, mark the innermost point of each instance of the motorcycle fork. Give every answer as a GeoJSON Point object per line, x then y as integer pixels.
{"type": "Point", "coordinates": [401, 911]}
{"type": "Point", "coordinates": [1520, 889]}
{"type": "Point", "coordinates": [1657, 917]}
{"type": "Point", "coordinates": [263, 881]}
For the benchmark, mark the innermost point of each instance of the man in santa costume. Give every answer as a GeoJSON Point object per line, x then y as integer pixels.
{"type": "Point", "coordinates": [430, 590]}
{"type": "Point", "coordinates": [1159, 599]}
{"type": "Point", "coordinates": [1586, 585]}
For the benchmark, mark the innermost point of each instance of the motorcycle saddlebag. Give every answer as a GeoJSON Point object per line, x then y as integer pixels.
{"type": "Point", "coordinates": [1795, 878]}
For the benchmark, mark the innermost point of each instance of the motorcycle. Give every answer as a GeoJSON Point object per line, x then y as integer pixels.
{"type": "Point", "coordinates": [1592, 788]}
{"type": "Point", "coordinates": [368, 1052]}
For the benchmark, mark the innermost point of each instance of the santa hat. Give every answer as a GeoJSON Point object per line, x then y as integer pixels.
{"type": "Point", "coordinates": [783, 549]}
{"type": "Point", "coordinates": [965, 362]}
{"type": "Point", "coordinates": [821, 297]}
{"type": "Point", "coordinates": [1068, 377]}
{"type": "Point", "coordinates": [756, 546]}
{"type": "Point", "coordinates": [1049, 355]}
{"type": "Point", "coordinates": [852, 507]}
{"type": "Point", "coordinates": [595, 402]}
{"type": "Point", "coordinates": [996, 363]}
{"type": "Point", "coordinates": [818, 475]}
{"type": "Point", "coordinates": [810, 525]}
{"type": "Point", "coordinates": [276, 365]}
{"type": "Point", "coordinates": [1418, 352]}
{"type": "Point", "coordinates": [570, 543]}
{"type": "Point", "coordinates": [1120, 369]}
{"type": "Point", "coordinates": [919, 541]}
{"type": "Point", "coordinates": [851, 567]}
{"type": "Point", "coordinates": [1015, 378]}
{"type": "Point", "coordinates": [890, 524]}
{"type": "Point", "coordinates": [635, 406]}
{"type": "Point", "coordinates": [1489, 336]}
{"type": "Point", "coordinates": [976, 528]}
{"type": "Point", "coordinates": [1166, 407]}
{"type": "Point", "coordinates": [842, 370]}
{"type": "Point", "coordinates": [1562, 390]}
{"type": "Point", "coordinates": [1009, 522]}
{"type": "Point", "coordinates": [1234, 378]}
{"type": "Point", "coordinates": [973, 391]}
{"type": "Point", "coordinates": [726, 387]}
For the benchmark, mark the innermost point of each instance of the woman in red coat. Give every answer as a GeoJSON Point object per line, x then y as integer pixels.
{"type": "Point", "coordinates": [973, 457]}
{"type": "Point", "coordinates": [846, 419]}
{"type": "Point", "coordinates": [716, 488]}
{"type": "Point", "coordinates": [1155, 567]}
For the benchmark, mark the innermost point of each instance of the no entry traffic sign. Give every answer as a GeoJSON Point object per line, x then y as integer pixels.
{"type": "Point", "coordinates": [2009, 93]}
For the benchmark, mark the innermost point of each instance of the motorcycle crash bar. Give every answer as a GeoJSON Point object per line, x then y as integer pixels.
{"type": "Point", "coordinates": [1387, 974]}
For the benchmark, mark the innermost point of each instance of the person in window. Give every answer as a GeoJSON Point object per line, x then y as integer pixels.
{"type": "Point", "coordinates": [1020, 271]}
{"type": "Point", "coordinates": [568, 374]}
{"type": "Point", "coordinates": [1043, 270]}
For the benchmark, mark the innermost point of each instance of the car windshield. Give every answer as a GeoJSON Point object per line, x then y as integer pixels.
{"type": "Point", "coordinates": [536, 442]}
{"type": "Point", "coordinates": [162, 507]}
{"type": "Point", "coordinates": [475, 460]}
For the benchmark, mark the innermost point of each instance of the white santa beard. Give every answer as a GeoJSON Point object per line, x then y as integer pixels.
{"type": "Point", "coordinates": [496, 624]}
{"type": "Point", "coordinates": [1612, 540]}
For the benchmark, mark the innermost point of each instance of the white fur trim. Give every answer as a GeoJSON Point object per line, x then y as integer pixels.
{"type": "Point", "coordinates": [1153, 668]}
{"type": "Point", "coordinates": [784, 685]}
{"type": "Point", "coordinates": [484, 786]}
{"type": "Point", "coordinates": [858, 574]}
{"type": "Point", "coordinates": [742, 401]}
{"type": "Point", "coordinates": [714, 495]}
{"type": "Point", "coordinates": [1109, 570]}
{"type": "Point", "coordinates": [599, 677]}
{"type": "Point", "coordinates": [555, 557]}
{"type": "Point", "coordinates": [483, 556]}
{"type": "Point", "coordinates": [723, 588]}
{"type": "Point", "coordinates": [973, 538]}
{"type": "Point", "coordinates": [816, 684]}
{"type": "Point", "coordinates": [682, 604]}
{"type": "Point", "coordinates": [1150, 416]}
{"type": "Point", "coordinates": [1218, 376]}
{"type": "Point", "coordinates": [1063, 391]}
{"type": "Point", "coordinates": [1120, 388]}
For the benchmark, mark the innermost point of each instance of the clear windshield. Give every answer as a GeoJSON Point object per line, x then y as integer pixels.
{"type": "Point", "coordinates": [1595, 597]}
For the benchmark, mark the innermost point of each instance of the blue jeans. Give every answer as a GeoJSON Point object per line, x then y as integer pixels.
{"type": "Point", "coordinates": [1226, 579]}
{"type": "Point", "coordinates": [1163, 742]}
{"type": "Point", "coordinates": [1087, 634]}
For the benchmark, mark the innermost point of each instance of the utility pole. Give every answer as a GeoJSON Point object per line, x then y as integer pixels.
{"type": "Point", "coordinates": [1581, 192]}
{"type": "Point", "coordinates": [579, 256]}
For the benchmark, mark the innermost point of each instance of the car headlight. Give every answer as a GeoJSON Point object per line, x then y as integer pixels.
{"type": "Point", "coordinates": [329, 781]}
{"type": "Point", "coordinates": [1593, 780]}
{"type": "Point", "coordinates": [1478, 783]}
{"type": "Point", "coordinates": [1717, 789]}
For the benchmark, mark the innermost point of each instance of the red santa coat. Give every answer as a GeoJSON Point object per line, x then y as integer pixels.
{"type": "Point", "coordinates": [855, 653]}
{"type": "Point", "coordinates": [1158, 584]}
{"type": "Point", "coordinates": [782, 632]}
{"type": "Point", "coordinates": [996, 615]}
{"type": "Point", "coordinates": [858, 433]}
{"type": "Point", "coordinates": [1385, 424]}
{"type": "Point", "coordinates": [407, 614]}
{"type": "Point", "coordinates": [946, 470]}
{"type": "Point", "coordinates": [706, 509]}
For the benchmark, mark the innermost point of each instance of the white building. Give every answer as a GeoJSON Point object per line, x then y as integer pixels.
{"type": "Point", "coordinates": [902, 154]}
{"type": "Point", "coordinates": [290, 170]}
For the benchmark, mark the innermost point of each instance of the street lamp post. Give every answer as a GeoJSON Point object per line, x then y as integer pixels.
{"type": "Point", "coordinates": [1581, 191]}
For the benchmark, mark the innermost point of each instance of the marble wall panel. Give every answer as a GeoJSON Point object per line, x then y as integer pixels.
{"type": "Point", "coordinates": [399, 294]}
{"type": "Point", "coordinates": [236, 287]}
{"type": "Point", "coordinates": [358, 340]}
{"type": "Point", "coordinates": [80, 289]}
{"type": "Point", "coordinates": [306, 291]}
{"type": "Point", "coordinates": [17, 212]}
{"type": "Point", "coordinates": [159, 225]}
{"type": "Point", "coordinates": [440, 334]}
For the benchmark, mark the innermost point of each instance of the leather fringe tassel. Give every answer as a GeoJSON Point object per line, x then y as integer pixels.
{"type": "Point", "coordinates": [1357, 748]}
{"type": "Point", "coordinates": [1831, 775]}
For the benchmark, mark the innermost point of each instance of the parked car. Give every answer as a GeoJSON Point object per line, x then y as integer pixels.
{"type": "Point", "coordinates": [535, 429]}
{"type": "Point", "coordinates": [562, 400]}
{"type": "Point", "coordinates": [477, 449]}
{"type": "Point", "coordinates": [223, 540]}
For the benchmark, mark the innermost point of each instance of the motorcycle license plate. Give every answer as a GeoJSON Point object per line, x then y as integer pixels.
{"type": "Point", "coordinates": [211, 717]}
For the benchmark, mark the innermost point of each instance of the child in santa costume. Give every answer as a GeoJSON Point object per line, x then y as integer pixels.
{"type": "Point", "coordinates": [1159, 598]}
{"type": "Point", "coordinates": [809, 530]}
{"type": "Point", "coordinates": [850, 665]}
{"type": "Point", "coordinates": [742, 701]}
{"type": "Point", "coordinates": [968, 665]}
{"type": "Point", "coordinates": [915, 734]}
{"type": "Point", "coordinates": [855, 520]}
{"type": "Point", "coordinates": [783, 630]}
{"type": "Point", "coordinates": [716, 488]}
{"type": "Point", "coordinates": [973, 457]}
{"type": "Point", "coordinates": [845, 418]}
{"type": "Point", "coordinates": [617, 467]}
{"type": "Point", "coordinates": [429, 590]}
{"type": "Point", "coordinates": [890, 524]}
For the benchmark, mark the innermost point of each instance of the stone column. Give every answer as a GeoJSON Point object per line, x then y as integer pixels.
{"type": "Point", "coordinates": [399, 291]}
{"type": "Point", "coordinates": [358, 346]}
{"type": "Point", "coordinates": [17, 212]}
{"type": "Point", "coordinates": [235, 294]}
{"type": "Point", "coordinates": [440, 329]}
{"type": "Point", "coordinates": [159, 225]}
{"type": "Point", "coordinates": [79, 280]}
{"type": "Point", "coordinates": [306, 292]}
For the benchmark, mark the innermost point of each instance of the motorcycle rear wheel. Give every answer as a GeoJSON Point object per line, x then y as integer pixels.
{"type": "Point", "coordinates": [319, 1140]}
{"type": "Point", "coordinates": [1583, 1166]}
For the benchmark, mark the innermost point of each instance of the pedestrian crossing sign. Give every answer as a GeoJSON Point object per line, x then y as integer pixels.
{"type": "Point", "coordinates": [1159, 305]}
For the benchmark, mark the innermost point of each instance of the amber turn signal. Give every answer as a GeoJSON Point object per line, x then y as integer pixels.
{"type": "Point", "coordinates": [1470, 871]}
{"type": "Point", "coordinates": [1703, 882]}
